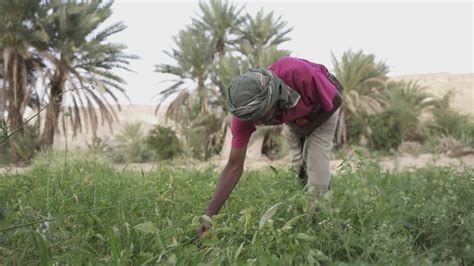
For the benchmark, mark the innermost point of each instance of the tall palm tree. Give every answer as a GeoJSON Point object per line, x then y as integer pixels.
{"type": "Point", "coordinates": [363, 80]}
{"type": "Point", "coordinates": [260, 36]}
{"type": "Point", "coordinates": [82, 62]}
{"type": "Point", "coordinates": [193, 61]}
{"type": "Point", "coordinates": [222, 20]}
{"type": "Point", "coordinates": [19, 35]}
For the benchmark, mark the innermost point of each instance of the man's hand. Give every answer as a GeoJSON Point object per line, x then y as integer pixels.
{"type": "Point", "coordinates": [201, 230]}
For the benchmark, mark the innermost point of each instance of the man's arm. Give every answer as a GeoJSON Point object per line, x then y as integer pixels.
{"type": "Point", "coordinates": [317, 119]}
{"type": "Point", "coordinates": [228, 179]}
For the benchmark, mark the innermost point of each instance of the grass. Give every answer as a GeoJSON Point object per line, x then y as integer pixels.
{"type": "Point", "coordinates": [99, 215]}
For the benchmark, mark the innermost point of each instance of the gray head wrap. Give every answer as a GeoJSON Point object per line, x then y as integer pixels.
{"type": "Point", "coordinates": [251, 95]}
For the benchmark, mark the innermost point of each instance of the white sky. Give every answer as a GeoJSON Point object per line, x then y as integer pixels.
{"type": "Point", "coordinates": [412, 38]}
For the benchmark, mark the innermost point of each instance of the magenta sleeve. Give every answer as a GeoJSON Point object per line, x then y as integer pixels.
{"type": "Point", "coordinates": [241, 132]}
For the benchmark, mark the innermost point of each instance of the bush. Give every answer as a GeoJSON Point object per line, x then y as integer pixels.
{"type": "Point", "coordinates": [356, 127]}
{"type": "Point", "coordinates": [98, 145]}
{"type": "Point", "coordinates": [404, 102]}
{"type": "Point", "coordinates": [163, 142]}
{"type": "Point", "coordinates": [131, 146]}
{"type": "Point", "coordinates": [19, 148]}
{"type": "Point", "coordinates": [203, 137]}
{"type": "Point", "coordinates": [449, 122]}
{"type": "Point", "coordinates": [400, 121]}
{"type": "Point", "coordinates": [385, 131]}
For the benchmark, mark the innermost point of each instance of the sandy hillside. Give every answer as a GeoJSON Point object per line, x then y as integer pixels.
{"type": "Point", "coordinates": [143, 114]}
{"type": "Point", "coordinates": [440, 83]}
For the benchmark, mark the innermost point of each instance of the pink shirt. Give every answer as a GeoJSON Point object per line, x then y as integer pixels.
{"type": "Point", "coordinates": [308, 79]}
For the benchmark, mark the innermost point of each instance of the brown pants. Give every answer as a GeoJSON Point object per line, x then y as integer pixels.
{"type": "Point", "coordinates": [314, 154]}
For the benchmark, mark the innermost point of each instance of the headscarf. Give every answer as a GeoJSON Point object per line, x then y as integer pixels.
{"type": "Point", "coordinates": [251, 95]}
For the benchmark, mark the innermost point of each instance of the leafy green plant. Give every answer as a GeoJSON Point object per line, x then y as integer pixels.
{"type": "Point", "coordinates": [448, 122]}
{"type": "Point", "coordinates": [98, 144]}
{"type": "Point", "coordinates": [203, 137]}
{"type": "Point", "coordinates": [399, 121]}
{"type": "Point", "coordinates": [22, 144]}
{"type": "Point", "coordinates": [163, 142]}
{"type": "Point", "coordinates": [131, 146]}
{"type": "Point", "coordinates": [386, 131]}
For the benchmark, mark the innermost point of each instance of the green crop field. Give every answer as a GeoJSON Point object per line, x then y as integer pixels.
{"type": "Point", "coordinates": [100, 215]}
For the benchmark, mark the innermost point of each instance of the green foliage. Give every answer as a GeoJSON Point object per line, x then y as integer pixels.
{"type": "Point", "coordinates": [23, 144]}
{"type": "Point", "coordinates": [98, 145]}
{"type": "Point", "coordinates": [219, 45]}
{"type": "Point", "coordinates": [259, 38]}
{"type": "Point", "coordinates": [386, 130]}
{"type": "Point", "coordinates": [83, 61]}
{"type": "Point", "coordinates": [363, 80]}
{"type": "Point", "coordinates": [163, 142]}
{"type": "Point", "coordinates": [356, 128]}
{"type": "Point", "coordinates": [449, 122]}
{"type": "Point", "coordinates": [404, 104]}
{"type": "Point", "coordinates": [101, 215]}
{"type": "Point", "coordinates": [203, 138]}
{"type": "Point", "coordinates": [131, 146]}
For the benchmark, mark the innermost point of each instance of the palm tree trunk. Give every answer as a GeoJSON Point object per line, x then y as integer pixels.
{"type": "Point", "coordinates": [17, 95]}
{"type": "Point", "coordinates": [202, 95]}
{"type": "Point", "coordinates": [53, 110]}
{"type": "Point", "coordinates": [341, 135]}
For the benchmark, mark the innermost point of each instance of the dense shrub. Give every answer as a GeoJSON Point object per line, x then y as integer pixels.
{"type": "Point", "coordinates": [203, 136]}
{"type": "Point", "coordinates": [400, 120]}
{"type": "Point", "coordinates": [163, 142]}
{"type": "Point", "coordinates": [21, 144]}
{"type": "Point", "coordinates": [386, 130]}
{"type": "Point", "coordinates": [449, 122]}
{"type": "Point", "coordinates": [131, 146]}
{"type": "Point", "coordinates": [356, 127]}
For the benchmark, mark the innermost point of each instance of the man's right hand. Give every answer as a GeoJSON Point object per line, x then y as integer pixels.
{"type": "Point", "coordinates": [201, 230]}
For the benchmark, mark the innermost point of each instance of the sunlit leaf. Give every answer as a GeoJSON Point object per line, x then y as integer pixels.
{"type": "Point", "coordinates": [268, 214]}
{"type": "Point", "coordinates": [146, 227]}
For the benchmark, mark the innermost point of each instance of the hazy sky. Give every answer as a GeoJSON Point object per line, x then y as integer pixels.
{"type": "Point", "coordinates": [411, 37]}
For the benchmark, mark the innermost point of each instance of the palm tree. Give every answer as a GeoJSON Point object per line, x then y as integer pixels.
{"type": "Point", "coordinates": [19, 35]}
{"type": "Point", "coordinates": [363, 80]}
{"type": "Point", "coordinates": [131, 144]}
{"type": "Point", "coordinates": [259, 38]}
{"type": "Point", "coordinates": [82, 61]}
{"type": "Point", "coordinates": [193, 61]}
{"type": "Point", "coordinates": [222, 20]}
{"type": "Point", "coordinates": [409, 100]}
